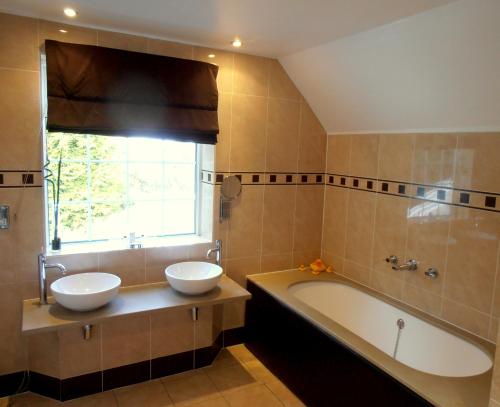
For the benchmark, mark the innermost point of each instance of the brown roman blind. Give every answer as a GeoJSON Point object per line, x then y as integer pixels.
{"type": "Point", "coordinates": [97, 90]}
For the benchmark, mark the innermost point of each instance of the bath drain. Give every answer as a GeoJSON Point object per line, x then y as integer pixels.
{"type": "Point", "coordinates": [401, 324]}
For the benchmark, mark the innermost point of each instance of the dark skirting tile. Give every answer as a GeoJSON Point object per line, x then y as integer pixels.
{"type": "Point", "coordinates": [205, 356]}
{"type": "Point", "coordinates": [168, 365]}
{"type": "Point", "coordinates": [125, 375]}
{"type": "Point", "coordinates": [45, 385]}
{"type": "Point", "coordinates": [12, 383]}
{"type": "Point", "coordinates": [234, 336]}
{"type": "Point", "coordinates": [80, 386]}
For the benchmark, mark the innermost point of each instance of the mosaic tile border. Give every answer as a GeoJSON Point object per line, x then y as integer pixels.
{"type": "Point", "coordinates": [21, 179]}
{"type": "Point", "coordinates": [265, 178]}
{"type": "Point", "coordinates": [433, 193]}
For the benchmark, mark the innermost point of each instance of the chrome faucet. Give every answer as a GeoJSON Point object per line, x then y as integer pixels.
{"type": "Point", "coordinates": [42, 276]}
{"type": "Point", "coordinates": [410, 265]}
{"type": "Point", "coordinates": [217, 250]}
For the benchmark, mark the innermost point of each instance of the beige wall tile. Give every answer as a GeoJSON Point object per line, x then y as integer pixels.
{"type": "Point", "coordinates": [122, 41]}
{"type": "Point", "coordinates": [357, 272]}
{"type": "Point", "coordinates": [275, 262]}
{"type": "Point", "coordinates": [49, 30]}
{"type": "Point", "coordinates": [20, 120]}
{"type": "Point", "coordinates": [387, 284]}
{"type": "Point", "coordinates": [312, 145]}
{"type": "Point", "coordinates": [279, 207]}
{"type": "Point", "coordinates": [280, 84]}
{"type": "Point", "coordinates": [171, 332]}
{"type": "Point", "coordinates": [305, 257]}
{"type": "Point", "coordinates": [223, 147]}
{"type": "Point", "coordinates": [234, 315]}
{"type": "Point", "coordinates": [495, 382]}
{"type": "Point", "coordinates": [129, 265]}
{"type": "Point", "coordinates": [251, 75]}
{"type": "Point", "coordinates": [238, 269]}
{"type": "Point", "coordinates": [477, 162]}
{"type": "Point", "coordinates": [245, 227]}
{"type": "Point", "coordinates": [282, 150]}
{"type": "Point", "coordinates": [204, 328]}
{"type": "Point", "coordinates": [77, 263]}
{"type": "Point", "coordinates": [125, 340]}
{"type": "Point", "coordinates": [79, 356]}
{"type": "Point", "coordinates": [338, 154]}
{"type": "Point", "coordinates": [248, 133]}
{"type": "Point", "coordinates": [158, 258]}
{"type": "Point", "coordinates": [18, 42]}
{"type": "Point", "coordinates": [396, 156]}
{"type": "Point", "coordinates": [465, 317]}
{"type": "Point", "coordinates": [224, 60]}
{"type": "Point", "coordinates": [360, 223]}
{"type": "Point", "coordinates": [422, 299]}
{"type": "Point", "coordinates": [470, 278]}
{"type": "Point", "coordinates": [335, 218]}
{"type": "Point", "coordinates": [170, 49]}
{"type": "Point", "coordinates": [428, 227]}
{"type": "Point", "coordinates": [364, 155]}
{"type": "Point", "coordinates": [390, 233]}
{"type": "Point", "coordinates": [308, 218]}
{"type": "Point", "coordinates": [434, 158]}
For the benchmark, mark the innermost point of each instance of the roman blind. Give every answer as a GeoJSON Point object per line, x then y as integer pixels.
{"type": "Point", "coordinates": [105, 91]}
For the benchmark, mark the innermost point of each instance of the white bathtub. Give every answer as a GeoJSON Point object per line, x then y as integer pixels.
{"type": "Point", "coordinates": [421, 346]}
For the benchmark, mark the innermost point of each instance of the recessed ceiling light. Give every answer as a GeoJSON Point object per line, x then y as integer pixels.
{"type": "Point", "coordinates": [211, 55]}
{"type": "Point", "coordinates": [236, 43]}
{"type": "Point", "coordinates": [62, 31]}
{"type": "Point", "coordinates": [70, 12]}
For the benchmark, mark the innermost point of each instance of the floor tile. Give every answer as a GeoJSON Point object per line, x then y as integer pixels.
{"type": "Point", "coordinates": [190, 388]}
{"type": "Point", "coordinates": [284, 394]}
{"type": "Point", "coordinates": [230, 377]}
{"type": "Point", "coordinates": [106, 399]}
{"type": "Point", "coordinates": [251, 396]}
{"type": "Point", "coordinates": [147, 394]}
{"type": "Point", "coordinates": [241, 353]}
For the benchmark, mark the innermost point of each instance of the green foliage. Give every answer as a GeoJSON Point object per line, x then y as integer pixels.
{"type": "Point", "coordinates": [81, 180]}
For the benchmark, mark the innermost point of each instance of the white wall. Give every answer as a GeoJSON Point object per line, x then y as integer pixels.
{"type": "Point", "coordinates": [439, 70]}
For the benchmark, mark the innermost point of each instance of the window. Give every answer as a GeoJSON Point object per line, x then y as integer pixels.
{"type": "Point", "coordinates": [113, 186]}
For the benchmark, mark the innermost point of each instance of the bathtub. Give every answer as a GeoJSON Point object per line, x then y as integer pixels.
{"type": "Point", "coordinates": [439, 364]}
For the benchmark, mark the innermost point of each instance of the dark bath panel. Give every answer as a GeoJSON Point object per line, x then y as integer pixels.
{"type": "Point", "coordinates": [316, 367]}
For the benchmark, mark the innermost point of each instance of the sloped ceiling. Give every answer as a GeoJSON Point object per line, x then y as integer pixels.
{"type": "Point", "coordinates": [436, 71]}
{"type": "Point", "coordinates": [268, 27]}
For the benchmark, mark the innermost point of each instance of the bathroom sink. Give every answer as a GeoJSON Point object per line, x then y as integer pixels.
{"type": "Point", "coordinates": [193, 277]}
{"type": "Point", "coordinates": [85, 291]}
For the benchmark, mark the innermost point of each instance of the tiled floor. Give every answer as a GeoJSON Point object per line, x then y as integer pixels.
{"type": "Point", "coordinates": [235, 379]}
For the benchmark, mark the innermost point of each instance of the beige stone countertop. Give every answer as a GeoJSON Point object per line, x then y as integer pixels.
{"type": "Point", "coordinates": [439, 390]}
{"type": "Point", "coordinates": [138, 299]}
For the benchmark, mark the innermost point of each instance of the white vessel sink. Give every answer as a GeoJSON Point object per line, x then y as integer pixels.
{"type": "Point", "coordinates": [193, 277]}
{"type": "Point", "coordinates": [85, 291]}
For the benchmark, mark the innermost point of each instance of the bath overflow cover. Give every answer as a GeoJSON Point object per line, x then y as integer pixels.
{"type": "Point", "coordinates": [400, 323]}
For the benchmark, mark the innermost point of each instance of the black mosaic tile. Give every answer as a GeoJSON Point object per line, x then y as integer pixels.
{"type": "Point", "coordinates": [238, 176]}
{"type": "Point", "coordinates": [219, 178]}
{"type": "Point", "coordinates": [205, 356]}
{"type": "Point", "coordinates": [80, 386]}
{"type": "Point", "coordinates": [234, 336]}
{"type": "Point", "coordinates": [355, 183]}
{"type": "Point", "coordinates": [490, 201]}
{"type": "Point", "coordinates": [421, 191]}
{"type": "Point", "coordinates": [319, 178]}
{"type": "Point", "coordinates": [369, 184]}
{"type": "Point", "coordinates": [209, 177]}
{"type": "Point", "coordinates": [342, 181]}
{"type": "Point", "coordinates": [1, 178]}
{"type": "Point", "coordinates": [173, 364]}
{"type": "Point", "coordinates": [330, 179]}
{"type": "Point", "coordinates": [385, 186]}
{"type": "Point", "coordinates": [272, 178]}
{"type": "Point", "coordinates": [45, 385]}
{"type": "Point", "coordinates": [28, 179]}
{"type": "Point", "coordinates": [441, 194]}
{"type": "Point", "coordinates": [125, 375]}
{"type": "Point", "coordinates": [289, 178]}
{"type": "Point", "coordinates": [402, 189]}
{"type": "Point", "coordinates": [10, 383]}
{"type": "Point", "coordinates": [255, 178]}
{"type": "Point", "coordinates": [303, 178]}
{"type": "Point", "coordinates": [464, 198]}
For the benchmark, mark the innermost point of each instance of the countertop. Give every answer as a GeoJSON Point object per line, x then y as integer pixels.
{"type": "Point", "coordinates": [138, 299]}
{"type": "Point", "coordinates": [439, 390]}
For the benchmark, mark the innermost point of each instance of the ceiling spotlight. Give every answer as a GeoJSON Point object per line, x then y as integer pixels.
{"type": "Point", "coordinates": [236, 43]}
{"type": "Point", "coordinates": [211, 55]}
{"type": "Point", "coordinates": [62, 31]}
{"type": "Point", "coordinates": [70, 12]}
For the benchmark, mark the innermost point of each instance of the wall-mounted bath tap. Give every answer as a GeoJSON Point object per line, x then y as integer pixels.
{"type": "Point", "coordinates": [431, 272]}
{"type": "Point", "coordinates": [410, 265]}
{"type": "Point", "coordinates": [42, 276]}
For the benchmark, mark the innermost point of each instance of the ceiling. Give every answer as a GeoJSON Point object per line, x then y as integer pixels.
{"type": "Point", "coordinates": [272, 28]}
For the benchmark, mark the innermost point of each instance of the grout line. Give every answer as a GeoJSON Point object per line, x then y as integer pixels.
{"type": "Point", "coordinates": [495, 282]}
{"type": "Point", "coordinates": [374, 220]}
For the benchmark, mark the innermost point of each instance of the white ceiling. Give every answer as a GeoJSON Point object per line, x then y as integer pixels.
{"type": "Point", "coordinates": [267, 27]}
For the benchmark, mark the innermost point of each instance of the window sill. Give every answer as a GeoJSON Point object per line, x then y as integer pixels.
{"type": "Point", "coordinates": [100, 247]}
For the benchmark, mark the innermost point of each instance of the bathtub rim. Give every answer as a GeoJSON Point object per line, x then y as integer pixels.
{"type": "Point", "coordinates": [439, 390]}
